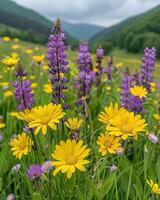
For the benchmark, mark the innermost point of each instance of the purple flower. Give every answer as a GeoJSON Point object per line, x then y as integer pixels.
{"type": "Point", "coordinates": [125, 93]}
{"type": "Point", "coordinates": [16, 168]}
{"type": "Point", "coordinates": [26, 129]}
{"type": "Point", "coordinates": [129, 101]}
{"type": "Point", "coordinates": [120, 151]}
{"type": "Point", "coordinates": [46, 166]}
{"type": "Point", "coordinates": [98, 72]}
{"type": "Point", "coordinates": [57, 63]}
{"type": "Point", "coordinates": [153, 138]}
{"type": "Point", "coordinates": [23, 94]}
{"type": "Point", "coordinates": [84, 80]}
{"type": "Point", "coordinates": [147, 67]}
{"type": "Point", "coordinates": [113, 168]}
{"type": "Point", "coordinates": [10, 197]}
{"type": "Point", "coordinates": [108, 69]}
{"type": "Point", "coordinates": [34, 172]}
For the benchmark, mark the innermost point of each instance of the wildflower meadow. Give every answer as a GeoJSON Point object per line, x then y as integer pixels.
{"type": "Point", "coordinates": [76, 125]}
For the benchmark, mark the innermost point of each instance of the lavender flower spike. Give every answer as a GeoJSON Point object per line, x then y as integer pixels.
{"type": "Point", "coordinates": [147, 67]}
{"type": "Point", "coordinates": [57, 63]}
{"type": "Point", "coordinates": [84, 80]}
{"type": "Point", "coordinates": [98, 70]}
{"type": "Point", "coordinates": [22, 90]}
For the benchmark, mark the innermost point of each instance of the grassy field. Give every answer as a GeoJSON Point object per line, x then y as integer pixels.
{"type": "Point", "coordinates": [120, 173]}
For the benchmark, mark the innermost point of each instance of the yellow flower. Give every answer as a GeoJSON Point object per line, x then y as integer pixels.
{"type": "Point", "coordinates": [8, 93]}
{"type": "Point", "coordinates": [15, 46]}
{"type": "Point", "coordinates": [32, 77]}
{"type": "Point", "coordinates": [108, 88]}
{"type": "Point", "coordinates": [45, 67]}
{"type": "Point", "coordinates": [69, 156]}
{"type": "Point", "coordinates": [154, 186]}
{"type": "Point", "coordinates": [74, 123]}
{"type": "Point", "coordinates": [43, 117]}
{"type": "Point", "coordinates": [4, 84]}
{"type": "Point", "coordinates": [21, 145]}
{"type": "Point", "coordinates": [2, 125]}
{"type": "Point", "coordinates": [14, 55]}
{"type": "Point", "coordinates": [47, 88]}
{"type": "Point", "coordinates": [16, 39]}
{"type": "Point", "coordinates": [36, 48]}
{"type": "Point", "coordinates": [38, 59]}
{"type": "Point", "coordinates": [109, 113]}
{"type": "Point", "coordinates": [156, 117]}
{"type": "Point", "coordinates": [108, 144]}
{"type": "Point", "coordinates": [126, 124]}
{"type": "Point", "coordinates": [153, 86]}
{"type": "Point", "coordinates": [138, 91]}
{"type": "Point", "coordinates": [120, 65]}
{"type": "Point", "coordinates": [34, 85]}
{"type": "Point", "coordinates": [10, 61]}
{"type": "Point", "coordinates": [6, 39]}
{"type": "Point", "coordinates": [83, 98]}
{"type": "Point", "coordinates": [28, 51]}
{"type": "Point", "coordinates": [62, 75]}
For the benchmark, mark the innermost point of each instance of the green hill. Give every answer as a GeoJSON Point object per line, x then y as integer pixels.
{"type": "Point", "coordinates": [82, 31]}
{"type": "Point", "coordinates": [79, 31]}
{"type": "Point", "coordinates": [29, 25]}
{"type": "Point", "coordinates": [132, 34]}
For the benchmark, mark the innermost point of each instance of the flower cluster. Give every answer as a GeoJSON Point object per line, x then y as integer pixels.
{"type": "Point", "coordinates": [147, 67]}
{"type": "Point", "coordinates": [98, 69]}
{"type": "Point", "coordinates": [84, 80]}
{"type": "Point", "coordinates": [57, 63]}
{"type": "Point", "coordinates": [23, 90]}
{"type": "Point", "coordinates": [120, 124]}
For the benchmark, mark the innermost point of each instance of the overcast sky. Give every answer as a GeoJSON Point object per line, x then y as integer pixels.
{"type": "Point", "coordinates": [100, 12]}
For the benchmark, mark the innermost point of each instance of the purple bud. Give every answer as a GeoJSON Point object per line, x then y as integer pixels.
{"type": "Point", "coordinates": [153, 138]}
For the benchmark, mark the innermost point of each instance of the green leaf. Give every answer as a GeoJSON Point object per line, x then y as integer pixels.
{"type": "Point", "coordinates": [80, 195]}
{"type": "Point", "coordinates": [1, 184]}
{"type": "Point", "coordinates": [107, 185]}
{"type": "Point", "coordinates": [36, 196]}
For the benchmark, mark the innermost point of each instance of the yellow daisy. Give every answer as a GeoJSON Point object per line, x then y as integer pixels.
{"type": "Point", "coordinates": [38, 58]}
{"type": "Point", "coordinates": [109, 113]}
{"type": "Point", "coordinates": [154, 186]}
{"type": "Point", "coordinates": [21, 145]}
{"type": "Point", "coordinates": [28, 51]}
{"type": "Point", "coordinates": [69, 156]}
{"type": "Point", "coordinates": [10, 61]}
{"type": "Point", "coordinates": [156, 117]}
{"type": "Point", "coordinates": [138, 91]}
{"type": "Point", "coordinates": [42, 117]}
{"type": "Point", "coordinates": [126, 124]}
{"type": "Point", "coordinates": [47, 88]}
{"type": "Point", "coordinates": [108, 144]}
{"type": "Point", "coordinates": [8, 93]}
{"type": "Point", "coordinates": [74, 123]}
{"type": "Point", "coordinates": [2, 125]}
{"type": "Point", "coordinates": [34, 85]}
{"type": "Point", "coordinates": [6, 39]}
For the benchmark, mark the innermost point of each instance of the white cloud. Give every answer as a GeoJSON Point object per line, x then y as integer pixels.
{"type": "Point", "coordinates": [101, 12]}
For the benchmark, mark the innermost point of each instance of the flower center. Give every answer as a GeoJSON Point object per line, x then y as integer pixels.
{"type": "Point", "coordinates": [45, 120]}
{"type": "Point", "coordinates": [127, 130]}
{"type": "Point", "coordinates": [22, 145]}
{"type": "Point", "coordinates": [107, 144]}
{"type": "Point", "coordinates": [71, 160]}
